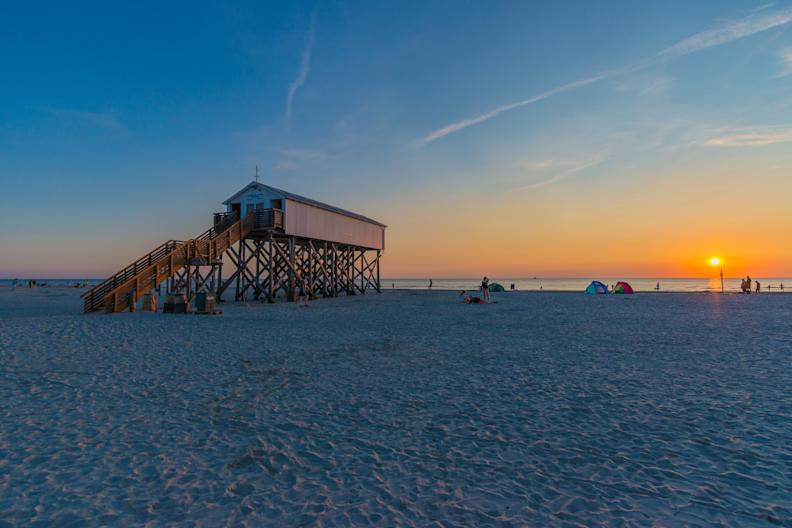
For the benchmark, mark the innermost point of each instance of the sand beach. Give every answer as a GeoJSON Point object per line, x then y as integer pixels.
{"type": "Point", "coordinates": [405, 408]}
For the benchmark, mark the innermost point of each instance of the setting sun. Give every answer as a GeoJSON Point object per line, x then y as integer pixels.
{"type": "Point", "coordinates": [714, 261]}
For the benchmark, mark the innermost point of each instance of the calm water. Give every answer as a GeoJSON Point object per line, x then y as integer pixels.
{"type": "Point", "coordinates": [771, 285]}
{"type": "Point", "coordinates": [50, 282]}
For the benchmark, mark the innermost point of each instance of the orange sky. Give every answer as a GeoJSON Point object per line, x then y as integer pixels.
{"type": "Point", "coordinates": [660, 219]}
{"type": "Point", "coordinates": [667, 225]}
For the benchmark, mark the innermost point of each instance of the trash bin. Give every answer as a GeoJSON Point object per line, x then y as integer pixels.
{"type": "Point", "coordinates": [175, 304]}
{"type": "Point", "coordinates": [205, 303]}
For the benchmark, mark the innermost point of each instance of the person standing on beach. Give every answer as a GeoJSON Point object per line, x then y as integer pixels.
{"type": "Point", "coordinates": [430, 284]}
{"type": "Point", "coordinates": [485, 289]}
{"type": "Point", "coordinates": [758, 286]}
{"type": "Point", "coordinates": [302, 294]}
{"type": "Point", "coordinates": [748, 284]}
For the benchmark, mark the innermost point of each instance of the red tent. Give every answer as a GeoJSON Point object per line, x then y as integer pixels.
{"type": "Point", "coordinates": [622, 287]}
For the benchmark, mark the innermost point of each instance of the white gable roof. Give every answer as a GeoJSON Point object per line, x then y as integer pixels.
{"type": "Point", "coordinates": [297, 198]}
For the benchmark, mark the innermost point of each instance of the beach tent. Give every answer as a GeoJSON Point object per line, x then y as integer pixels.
{"type": "Point", "coordinates": [495, 287]}
{"type": "Point", "coordinates": [596, 287]}
{"type": "Point", "coordinates": [622, 287]}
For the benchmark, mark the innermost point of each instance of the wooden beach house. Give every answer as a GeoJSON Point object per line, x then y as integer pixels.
{"type": "Point", "coordinates": [303, 217]}
{"type": "Point", "coordinates": [271, 243]}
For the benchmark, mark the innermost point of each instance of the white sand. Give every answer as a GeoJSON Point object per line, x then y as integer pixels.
{"type": "Point", "coordinates": [399, 409]}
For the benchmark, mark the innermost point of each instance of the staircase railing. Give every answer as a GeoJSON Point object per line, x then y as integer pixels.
{"type": "Point", "coordinates": [94, 298]}
{"type": "Point", "coordinates": [125, 287]}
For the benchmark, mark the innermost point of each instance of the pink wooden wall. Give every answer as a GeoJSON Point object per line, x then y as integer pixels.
{"type": "Point", "coordinates": [308, 221]}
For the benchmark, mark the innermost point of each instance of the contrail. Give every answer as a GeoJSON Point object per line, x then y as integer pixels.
{"type": "Point", "coordinates": [716, 36]}
{"type": "Point", "coordinates": [455, 127]}
{"type": "Point", "coordinates": [302, 73]}
{"type": "Point", "coordinates": [728, 32]}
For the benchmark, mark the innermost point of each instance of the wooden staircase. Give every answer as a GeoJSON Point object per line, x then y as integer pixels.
{"type": "Point", "coordinates": [120, 291]}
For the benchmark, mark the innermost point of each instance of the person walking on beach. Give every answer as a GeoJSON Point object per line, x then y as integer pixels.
{"type": "Point", "coordinates": [758, 287]}
{"type": "Point", "coordinates": [485, 289]}
{"type": "Point", "coordinates": [430, 284]}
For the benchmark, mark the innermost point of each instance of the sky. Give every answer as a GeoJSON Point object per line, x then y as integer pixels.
{"type": "Point", "coordinates": [556, 139]}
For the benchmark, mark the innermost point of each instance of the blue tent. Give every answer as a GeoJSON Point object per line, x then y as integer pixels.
{"type": "Point", "coordinates": [596, 287]}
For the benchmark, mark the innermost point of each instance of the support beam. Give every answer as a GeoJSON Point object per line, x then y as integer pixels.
{"type": "Point", "coordinates": [275, 262]}
{"type": "Point", "coordinates": [379, 284]}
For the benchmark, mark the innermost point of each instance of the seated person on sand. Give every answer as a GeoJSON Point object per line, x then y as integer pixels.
{"type": "Point", "coordinates": [475, 300]}
{"type": "Point", "coordinates": [464, 298]}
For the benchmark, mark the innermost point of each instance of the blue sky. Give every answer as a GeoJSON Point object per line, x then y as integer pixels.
{"type": "Point", "coordinates": [122, 126]}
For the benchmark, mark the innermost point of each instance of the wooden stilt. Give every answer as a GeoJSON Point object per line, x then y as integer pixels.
{"type": "Point", "coordinates": [270, 270]}
{"type": "Point", "coordinates": [379, 285]}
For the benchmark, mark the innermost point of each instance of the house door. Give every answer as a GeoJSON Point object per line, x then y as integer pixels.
{"type": "Point", "coordinates": [236, 208]}
{"type": "Point", "coordinates": [276, 204]}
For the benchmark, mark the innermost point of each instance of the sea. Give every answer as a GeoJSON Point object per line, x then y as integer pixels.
{"type": "Point", "coordinates": [769, 284]}
{"type": "Point", "coordinates": [654, 285]}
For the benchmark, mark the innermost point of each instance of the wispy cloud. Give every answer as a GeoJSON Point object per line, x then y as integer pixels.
{"type": "Point", "coordinates": [302, 73]}
{"type": "Point", "coordinates": [651, 85]}
{"type": "Point", "coordinates": [545, 164]}
{"type": "Point", "coordinates": [455, 127]}
{"type": "Point", "coordinates": [292, 158]}
{"type": "Point", "coordinates": [751, 137]}
{"type": "Point", "coordinates": [721, 34]}
{"type": "Point", "coordinates": [98, 119]}
{"type": "Point", "coordinates": [574, 169]}
{"type": "Point", "coordinates": [786, 63]}
{"type": "Point", "coordinates": [728, 32]}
